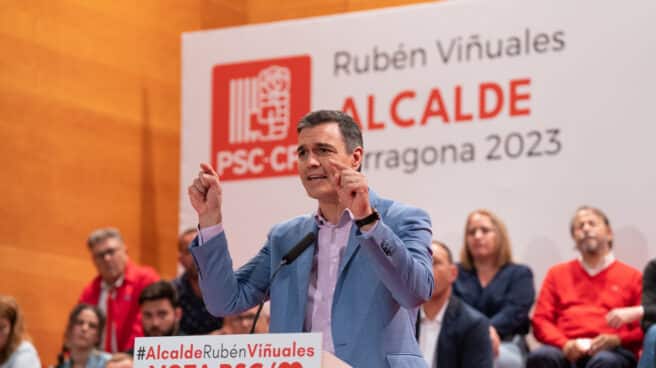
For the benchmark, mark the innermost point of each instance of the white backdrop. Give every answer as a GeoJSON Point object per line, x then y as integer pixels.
{"type": "Point", "coordinates": [574, 124]}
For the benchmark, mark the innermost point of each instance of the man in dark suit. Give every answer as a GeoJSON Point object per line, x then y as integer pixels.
{"type": "Point", "coordinates": [451, 334]}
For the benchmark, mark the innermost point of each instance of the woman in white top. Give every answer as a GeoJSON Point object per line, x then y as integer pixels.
{"type": "Point", "coordinates": [15, 350]}
{"type": "Point", "coordinates": [82, 338]}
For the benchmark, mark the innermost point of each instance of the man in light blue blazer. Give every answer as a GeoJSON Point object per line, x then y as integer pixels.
{"type": "Point", "coordinates": [359, 283]}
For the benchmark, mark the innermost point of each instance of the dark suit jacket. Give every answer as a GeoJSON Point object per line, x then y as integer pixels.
{"type": "Point", "coordinates": [464, 340]}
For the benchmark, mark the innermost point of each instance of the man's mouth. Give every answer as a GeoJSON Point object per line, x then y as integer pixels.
{"type": "Point", "coordinates": [316, 177]}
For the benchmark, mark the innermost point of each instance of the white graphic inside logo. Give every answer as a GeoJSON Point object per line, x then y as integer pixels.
{"type": "Point", "coordinates": [259, 106]}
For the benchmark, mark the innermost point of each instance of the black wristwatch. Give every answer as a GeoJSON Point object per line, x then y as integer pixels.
{"type": "Point", "coordinates": [367, 220]}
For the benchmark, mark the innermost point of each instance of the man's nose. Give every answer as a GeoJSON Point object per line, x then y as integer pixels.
{"type": "Point", "coordinates": [312, 160]}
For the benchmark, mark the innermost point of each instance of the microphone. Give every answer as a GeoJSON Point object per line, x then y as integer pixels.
{"type": "Point", "coordinates": [288, 258]}
{"type": "Point", "coordinates": [296, 251]}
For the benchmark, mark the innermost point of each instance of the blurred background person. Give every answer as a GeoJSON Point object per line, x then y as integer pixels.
{"type": "Point", "coordinates": [116, 288]}
{"type": "Point", "coordinates": [196, 320]}
{"type": "Point", "coordinates": [647, 312]}
{"type": "Point", "coordinates": [160, 312]}
{"type": "Point", "coordinates": [571, 313]}
{"type": "Point", "coordinates": [493, 284]}
{"type": "Point", "coordinates": [241, 323]}
{"type": "Point", "coordinates": [82, 339]}
{"type": "Point", "coordinates": [451, 334]}
{"type": "Point", "coordinates": [15, 349]}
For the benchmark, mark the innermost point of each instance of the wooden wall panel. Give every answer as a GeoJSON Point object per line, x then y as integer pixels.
{"type": "Point", "coordinates": [89, 125]}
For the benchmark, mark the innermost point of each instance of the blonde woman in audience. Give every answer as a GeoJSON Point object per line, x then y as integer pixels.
{"type": "Point", "coordinates": [15, 350]}
{"type": "Point", "coordinates": [492, 283]}
{"type": "Point", "coordinates": [82, 338]}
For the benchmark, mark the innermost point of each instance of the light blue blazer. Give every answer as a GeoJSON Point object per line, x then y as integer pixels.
{"type": "Point", "coordinates": [383, 277]}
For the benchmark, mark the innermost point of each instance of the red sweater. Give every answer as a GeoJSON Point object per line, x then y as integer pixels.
{"type": "Point", "coordinates": [573, 304]}
{"type": "Point", "coordinates": [126, 315]}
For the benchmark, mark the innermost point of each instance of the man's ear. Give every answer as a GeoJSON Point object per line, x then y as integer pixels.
{"type": "Point", "coordinates": [453, 273]}
{"type": "Point", "coordinates": [356, 157]}
{"type": "Point", "coordinates": [178, 313]}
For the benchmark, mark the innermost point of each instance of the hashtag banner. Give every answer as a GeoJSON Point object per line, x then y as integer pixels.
{"type": "Point", "coordinates": [229, 351]}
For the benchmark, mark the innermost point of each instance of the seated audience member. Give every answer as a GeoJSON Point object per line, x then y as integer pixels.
{"type": "Point", "coordinates": [15, 349]}
{"type": "Point", "coordinates": [160, 311]}
{"type": "Point", "coordinates": [82, 338]}
{"type": "Point", "coordinates": [493, 284]}
{"type": "Point", "coordinates": [120, 360]}
{"type": "Point", "coordinates": [241, 323]}
{"type": "Point", "coordinates": [451, 334]}
{"type": "Point", "coordinates": [116, 289]}
{"type": "Point", "coordinates": [576, 296]}
{"type": "Point", "coordinates": [196, 320]}
{"type": "Point", "coordinates": [647, 312]}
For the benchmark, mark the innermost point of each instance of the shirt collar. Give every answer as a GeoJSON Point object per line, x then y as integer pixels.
{"type": "Point", "coordinates": [605, 263]}
{"type": "Point", "coordinates": [438, 318]}
{"type": "Point", "coordinates": [117, 284]}
{"type": "Point", "coordinates": [321, 221]}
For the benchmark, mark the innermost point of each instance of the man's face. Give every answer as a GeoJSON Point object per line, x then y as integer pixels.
{"type": "Point", "coordinates": [444, 272]}
{"type": "Point", "coordinates": [184, 255]}
{"type": "Point", "coordinates": [110, 258]}
{"type": "Point", "coordinates": [316, 146]}
{"type": "Point", "coordinates": [159, 318]}
{"type": "Point", "coordinates": [241, 323]}
{"type": "Point", "coordinates": [590, 233]}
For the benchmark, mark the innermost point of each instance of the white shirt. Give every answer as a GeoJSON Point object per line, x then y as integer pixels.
{"type": "Point", "coordinates": [592, 271]}
{"type": "Point", "coordinates": [430, 333]}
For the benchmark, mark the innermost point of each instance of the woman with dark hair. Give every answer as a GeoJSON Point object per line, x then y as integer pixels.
{"type": "Point", "coordinates": [15, 350]}
{"type": "Point", "coordinates": [492, 283]}
{"type": "Point", "coordinates": [82, 338]}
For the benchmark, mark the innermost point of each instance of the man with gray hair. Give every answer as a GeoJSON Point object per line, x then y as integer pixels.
{"type": "Point", "coordinates": [116, 288]}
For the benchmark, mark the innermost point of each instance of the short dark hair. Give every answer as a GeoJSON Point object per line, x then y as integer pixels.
{"type": "Point", "coordinates": [159, 290]}
{"type": "Point", "coordinates": [449, 255]}
{"type": "Point", "coordinates": [100, 235]}
{"type": "Point", "coordinates": [350, 130]}
{"type": "Point", "coordinates": [181, 240]}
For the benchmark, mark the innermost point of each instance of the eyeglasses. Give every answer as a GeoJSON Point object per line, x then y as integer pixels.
{"type": "Point", "coordinates": [108, 252]}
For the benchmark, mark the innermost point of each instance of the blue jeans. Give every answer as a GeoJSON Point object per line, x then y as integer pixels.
{"type": "Point", "coordinates": [648, 358]}
{"type": "Point", "coordinates": [548, 356]}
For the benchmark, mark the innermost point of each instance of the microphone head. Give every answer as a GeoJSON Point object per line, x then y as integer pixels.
{"type": "Point", "coordinates": [299, 248]}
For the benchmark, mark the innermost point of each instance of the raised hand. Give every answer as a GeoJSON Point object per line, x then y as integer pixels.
{"type": "Point", "coordinates": [205, 196]}
{"type": "Point", "coordinates": [352, 188]}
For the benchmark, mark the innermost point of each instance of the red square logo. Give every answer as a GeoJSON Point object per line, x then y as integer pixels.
{"type": "Point", "coordinates": [255, 108]}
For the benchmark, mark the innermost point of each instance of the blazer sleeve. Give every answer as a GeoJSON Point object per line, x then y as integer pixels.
{"type": "Point", "coordinates": [649, 295]}
{"type": "Point", "coordinates": [477, 346]}
{"type": "Point", "coordinates": [520, 293]}
{"type": "Point", "coordinates": [544, 316]}
{"type": "Point", "coordinates": [401, 255]}
{"type": "Point", "coordinates": [226, 292]}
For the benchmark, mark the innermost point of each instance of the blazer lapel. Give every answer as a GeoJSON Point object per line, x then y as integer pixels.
{"type": "Point", "coordinates": [351, 248]}
{"type": "Point", "coordinates": [303, 266]}
{"type": "Point", "coordinates": [445, 342]}
{"type": "Point", "coordinates": [353, 244]}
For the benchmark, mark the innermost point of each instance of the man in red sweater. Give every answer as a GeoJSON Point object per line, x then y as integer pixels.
{"type": "Point", "coordinates": [570, 313]}
{"type": "Point", "coordinates": [116, 289]}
